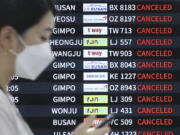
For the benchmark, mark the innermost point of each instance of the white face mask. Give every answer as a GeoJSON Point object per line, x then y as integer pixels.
{"type": "Point", "coordinates": [31, 62]}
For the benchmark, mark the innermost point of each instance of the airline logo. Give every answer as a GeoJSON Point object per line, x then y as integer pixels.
{"type": "Point", "coordinates": [95, 7]}
{"type": "Point", "coordinates": [95, 87]}
{"type": "Point", "coordinates": [95, 42]}
{"type": "Point", "coordinates": [95, 64]}
{"type": "Point", "coordinates": [95, 122]}
{"type": "Point", "coordinates": [95, 18]}
{"type": "Point", "coordinates": [95, 53]}
{"type": "Point", "coordinates": [95, 99]}
{"type": "Point", "coordinates": [95, 110]}
{"type": "Point", "coordinates": [95, 76]}
{"type": "Point", "coordinates": [88, 30]}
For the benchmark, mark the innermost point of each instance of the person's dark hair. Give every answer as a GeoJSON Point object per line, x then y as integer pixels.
{"type": "Point", "coordinates": [23, 14]}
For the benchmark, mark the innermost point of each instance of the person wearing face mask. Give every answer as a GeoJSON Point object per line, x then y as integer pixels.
{"type": "Point", "coordinates": [25, 29]}
{"type": "Point", "coordinates": [32, 60]}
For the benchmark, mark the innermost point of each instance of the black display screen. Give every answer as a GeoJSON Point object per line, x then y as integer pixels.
{"type": "Point", "coordinates": [112, 56]}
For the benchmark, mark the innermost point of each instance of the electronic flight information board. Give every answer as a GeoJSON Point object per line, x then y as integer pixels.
{"type": "Point", "coordinates": [112, 56]}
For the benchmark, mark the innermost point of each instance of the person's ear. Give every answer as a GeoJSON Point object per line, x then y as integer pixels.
{"type": "Point", "coordinates": [7, 37]}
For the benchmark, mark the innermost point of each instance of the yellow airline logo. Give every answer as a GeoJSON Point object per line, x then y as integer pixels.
{"type": "Point", "coordinates": [95, 99]}
{"type": "Point", "coordinates": [94, 110]}
{"type": "Point", "coordinates": [95, 42]}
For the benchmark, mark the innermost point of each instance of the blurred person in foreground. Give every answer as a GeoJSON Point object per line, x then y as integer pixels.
{"type": "Point", "coordinates": [25, 29]}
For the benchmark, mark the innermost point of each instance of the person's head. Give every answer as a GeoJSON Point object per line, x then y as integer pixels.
{"type": "Point", "coordinates": [31, 20]}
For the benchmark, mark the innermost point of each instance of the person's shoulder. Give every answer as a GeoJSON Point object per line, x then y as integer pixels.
{"type": "Point", "coordinates": [5, 105]}
{"type": "Point", "coordinates": [7, 119]}
{"type": "Point", "coordinates": [3, 98]}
